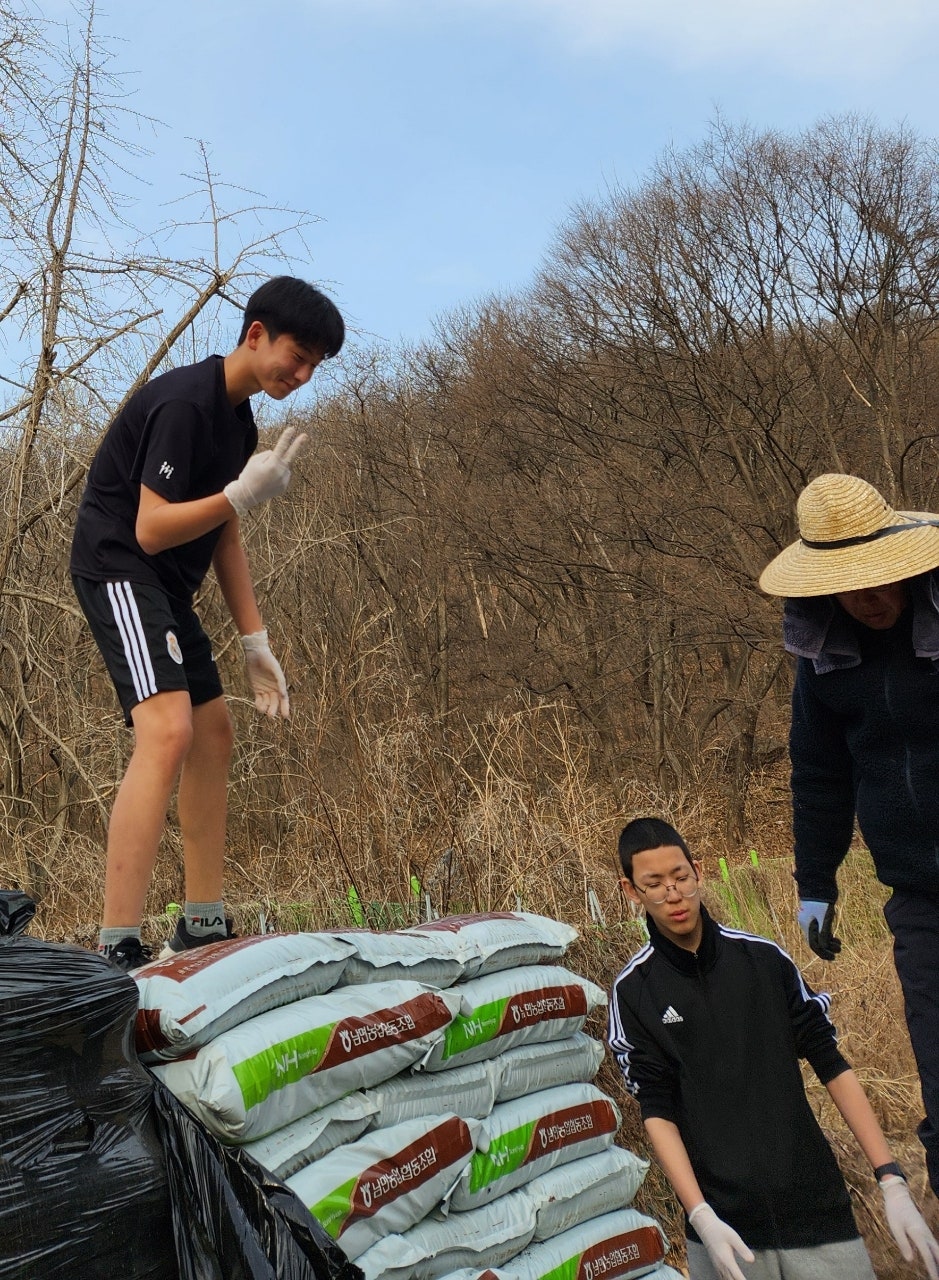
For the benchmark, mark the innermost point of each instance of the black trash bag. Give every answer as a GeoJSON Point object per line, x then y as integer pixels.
{"type": "Point", "coordinates": [233, 1219]}
{"type": "Point", "coordinates": [103, 1173]}
{"type": "Point", "coordinates": [83, 1188]}
{"type": "Point", "coordinates": [16, 911]}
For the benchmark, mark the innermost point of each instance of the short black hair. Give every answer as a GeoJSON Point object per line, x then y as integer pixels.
{"type": "Point", "coordinates": [646, 833]}
{"type": "Point", "coordinates": [288, 305]}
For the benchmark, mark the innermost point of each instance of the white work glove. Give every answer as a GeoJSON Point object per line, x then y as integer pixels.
{"type": "Point", "coordinates": [816, 920]}
{"type": "Point", "coordinates": [721, 1242]}
{"type": "Point", "coordinates": [907, 1225]}
{"type": "Point", "coordinates": [265, 474]}
{"type": "Point", "coordinates": [265, 676]}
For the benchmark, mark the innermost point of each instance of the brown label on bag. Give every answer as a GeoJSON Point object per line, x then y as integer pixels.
{"type": "Point", "coordinates": [354, 1037]}
{"type": "Point", "coordinates": [148, 1033]}
{"type": "Point", "coordinates": [182, 965]}
{"type": "Point", "coordinates": [453, 924]}
{"type": "Point", "coordinates": [570, 1125]}
{"type": "Point", "coordinates": [409, 1168]}
{"type": "Point", "coordinates": [622, 1255]}
{"type": "Point", "coordinates": [544, 1004]}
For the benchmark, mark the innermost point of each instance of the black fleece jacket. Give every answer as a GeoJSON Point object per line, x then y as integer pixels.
{"type": "Point", "coordinates": [865, 741]}
{"type": "Point", "coordinates": [711, 1040]}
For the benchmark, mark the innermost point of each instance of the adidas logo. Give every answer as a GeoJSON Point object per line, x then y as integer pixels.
{"type": "Point", "coordinates": [670, 1015]}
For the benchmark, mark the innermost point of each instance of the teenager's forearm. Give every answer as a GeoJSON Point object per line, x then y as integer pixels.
{"type": "Point", "coordinates": [162, 525]}
{"type": "Point", "coordinates": [852, 1102]}
{"type": "Point", "coordinates": [234, 579]}
{"type": "Point", "coordinates": [672, 1155]}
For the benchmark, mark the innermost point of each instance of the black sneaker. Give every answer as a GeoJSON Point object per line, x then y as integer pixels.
{"type": "Point", "coordinates": [129, 954]}
{"type": "Point", "coordinates": [183, 940]}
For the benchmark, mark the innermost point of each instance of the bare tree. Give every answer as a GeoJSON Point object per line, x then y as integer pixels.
{"type": "Point", "coordinates": [760, 310]}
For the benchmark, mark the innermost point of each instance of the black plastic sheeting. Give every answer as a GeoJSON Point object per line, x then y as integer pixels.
{"type": "Point", "coordinates": [238, 1221]}
{"type": "Point", "coordinates": [103, 1173]}
{"type": "Point", "coordinates": [83, 1188]}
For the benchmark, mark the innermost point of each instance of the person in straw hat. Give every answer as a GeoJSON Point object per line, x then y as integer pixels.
{"type": "Point", "coordinates": [862, 617]}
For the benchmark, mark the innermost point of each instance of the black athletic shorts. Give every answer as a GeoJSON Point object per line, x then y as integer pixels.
{"type": "Point", "coordinates": [150, 643]}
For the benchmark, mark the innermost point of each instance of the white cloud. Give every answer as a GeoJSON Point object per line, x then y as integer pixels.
{"type": "Point", "coordinates": [843, 39]}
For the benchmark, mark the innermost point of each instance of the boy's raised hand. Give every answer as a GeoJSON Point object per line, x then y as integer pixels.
{"type": "Point", "coordinates": [266, 474]}
{"type": "Point", "coordinates": [722, 1242]}
{"type": "Point", "coordinates": [907, 1225]}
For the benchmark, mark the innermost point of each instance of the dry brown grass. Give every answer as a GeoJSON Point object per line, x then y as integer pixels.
{"type": "Point", "coordinates": [483, 828]}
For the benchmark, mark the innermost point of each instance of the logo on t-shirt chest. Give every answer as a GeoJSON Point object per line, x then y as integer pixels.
{"type": "Point", "coordinates": [166, 469]}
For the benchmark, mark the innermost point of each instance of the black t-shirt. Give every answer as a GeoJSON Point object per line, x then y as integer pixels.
{"type": "Point", "coordinates": [179, 436]}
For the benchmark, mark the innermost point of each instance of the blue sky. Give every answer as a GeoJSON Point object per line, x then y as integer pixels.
{"type": "Point", "coordinates": [442, 142]}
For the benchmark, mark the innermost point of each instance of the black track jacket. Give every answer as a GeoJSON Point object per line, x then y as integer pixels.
{"type": "Point", "coordinates": [864, 740]}
{"type": "Point", "coordinates": [711, 1040]}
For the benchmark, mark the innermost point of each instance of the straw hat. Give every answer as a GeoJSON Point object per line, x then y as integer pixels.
{"type": "Point", "coordinates": [851, 538]}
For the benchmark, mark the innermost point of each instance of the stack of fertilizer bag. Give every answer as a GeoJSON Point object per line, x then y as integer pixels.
{"type": "Point", "coordinates": [426, 1093]}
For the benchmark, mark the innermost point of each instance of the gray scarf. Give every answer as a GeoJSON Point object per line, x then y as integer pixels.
{"type": "Point", "coordinates": [815, 628]}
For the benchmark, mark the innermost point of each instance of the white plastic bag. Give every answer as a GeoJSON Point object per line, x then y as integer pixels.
{"type": "Point", "coordinates": [299, 1143]}
{"type": "Point", "coordinates": [401, 956]}
{"type": "Point", "coordinates": [284, 1064]}
{"type": "Point", "coordinates": [531, 1067]}
{"type": "Point", "coordinates": [485, 1237]}
{"type": "Point", "coordinates": [587, 1188]}
{"type": "Point", "coordinates": [386, 1181]}
{"type": "Point", "coordinates": [526, 1137]}
{"type": "Point", "coordinates": [188, 999]}
{"type": "Point", "coordinates": [517, 1006]}
{"type": "Point", "coordinates": [497, 940]}
{"type": "Point", "coordinates": [625, 1243]}
{"type": "Point", "coordinates": [469, 1091]}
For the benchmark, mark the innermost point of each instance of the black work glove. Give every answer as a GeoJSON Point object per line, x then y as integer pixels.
{"type": "Point", "coordinates": [816, 920]}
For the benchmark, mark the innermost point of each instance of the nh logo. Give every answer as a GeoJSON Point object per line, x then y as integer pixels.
{"type": "Point", "coordinates": [166, 469]}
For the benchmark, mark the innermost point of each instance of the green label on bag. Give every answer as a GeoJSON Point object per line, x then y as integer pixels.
{"type": "Point", "coordinates": [333, 1211]}
{"type": "Point", "coordinates": [506, 1154]}
{"type": "Point", "coordinates": [281, 1064]}
{"type": "Point", "coordinates": [592, 1118]}
{"type": "Point", "coordinates": [466, 1031]}
{"type": "Point", "coordinates": [568, 1270]}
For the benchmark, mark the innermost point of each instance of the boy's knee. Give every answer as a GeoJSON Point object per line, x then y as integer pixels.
{"type": "Point", "coordinates": [213, 730]}
{"type": "Point", "coordinates": [174, 739]}
{"type": "Point", "coordinates": [163, 725]}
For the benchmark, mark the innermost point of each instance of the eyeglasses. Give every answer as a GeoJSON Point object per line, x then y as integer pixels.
{"type": "Point", "coordinates": [686, 885]}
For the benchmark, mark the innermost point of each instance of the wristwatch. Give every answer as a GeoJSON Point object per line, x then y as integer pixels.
{"type": "Point", "coordinates": [891, 1169]}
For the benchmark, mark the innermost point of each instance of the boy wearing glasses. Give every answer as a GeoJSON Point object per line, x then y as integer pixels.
{"type": "Point", "coordinates": [708, 1025]}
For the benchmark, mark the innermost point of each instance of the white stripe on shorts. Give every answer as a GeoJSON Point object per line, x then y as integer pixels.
{"type": "Point", "coordinates": [127, 618]}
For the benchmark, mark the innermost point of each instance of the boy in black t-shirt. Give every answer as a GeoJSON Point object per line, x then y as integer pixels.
{"type": "Point", "coordinates": [165, 491]}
